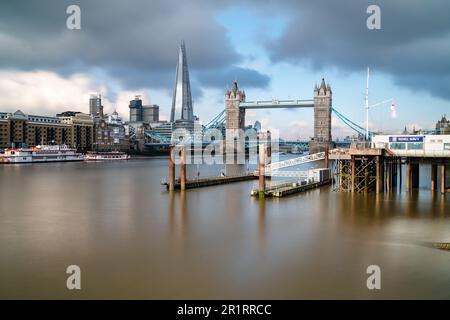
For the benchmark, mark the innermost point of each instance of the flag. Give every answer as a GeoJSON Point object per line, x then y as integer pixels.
{"type": "Point", "coordinates": [393, 111]}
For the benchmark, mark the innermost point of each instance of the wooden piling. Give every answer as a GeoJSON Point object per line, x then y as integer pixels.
{"type": "Point", "coordinates": [388, 176]}
{"type": "Point", "coordinates": [378, 181]}
{"type": "Point", "coordinates": [415, 175]}
{"type": "Point", "coordinates": [171, 169]}
{"type": "Point", "coordinates": [261, 165]}
{"type": "Point", "coordinates": [268, 152]}
{"type": "Point", "coordinates": [443, 178]}
{"type": "Point", "coordinates": [394, 173]}
{"type": "Point", "coordinates": [183, 169]}
{"type": "Point", "coordinates": [433, 177]}
{"type": "Point", "coordinates": [408, 175]}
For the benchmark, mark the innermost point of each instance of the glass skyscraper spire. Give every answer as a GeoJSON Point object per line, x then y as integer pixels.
{"type": "Point", "coordinates": [182, 101]}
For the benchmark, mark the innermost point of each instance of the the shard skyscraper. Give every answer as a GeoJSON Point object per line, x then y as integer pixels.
{"type": "Point", "coordinates": [182, 101]}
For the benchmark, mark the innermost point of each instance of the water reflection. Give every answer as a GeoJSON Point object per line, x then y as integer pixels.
{"type": "Point", "coordinates": [177, 213]}
{"type": "Point", "coordinates": [261, 223]}
{"type": "Point", "coordinates": [137, 240]}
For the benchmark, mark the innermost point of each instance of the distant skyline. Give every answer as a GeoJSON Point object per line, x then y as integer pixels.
{"type": "Point", "coordinates": [275, 49]}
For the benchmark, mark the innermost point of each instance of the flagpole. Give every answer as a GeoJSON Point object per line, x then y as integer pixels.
{"type": "Point", "coordinates": [367, 104]}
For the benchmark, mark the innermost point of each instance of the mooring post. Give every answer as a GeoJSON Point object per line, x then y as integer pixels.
{"type": "Point", "coordinates": [262, 177]}
{"type": "Point", "coordinates": [443, 178]}
{"type": "Point", "coordinates": [269, 148]}
{"type": "Point", "coordinates": [171, 169]}
{"type": "Point", "coordinates": [183, 169]}
{"type": "Point", "coordinates": [433, 176]}
{"type": "Point", "coordinates": [269, 151]}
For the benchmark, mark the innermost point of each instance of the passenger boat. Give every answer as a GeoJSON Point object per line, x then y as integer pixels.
{"type": "Point", "coordinates": [60, 153]}
{"type": "Point", "coordinates": [106, 156]}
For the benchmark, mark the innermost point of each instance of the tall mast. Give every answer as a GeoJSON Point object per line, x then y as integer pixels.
{"type": "Point", "coordinates": [367, 104]}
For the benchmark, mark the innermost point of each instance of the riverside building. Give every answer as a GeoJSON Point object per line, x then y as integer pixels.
{"type": "Point", "coordinates": [18, 129]}
{"type": "Point", "coordinates": [82, 129]}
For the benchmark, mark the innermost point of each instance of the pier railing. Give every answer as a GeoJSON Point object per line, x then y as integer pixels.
{"type": "Point", "coordinates": [295, 161]}
{"type": "Point", "coordinates": [360, 145]}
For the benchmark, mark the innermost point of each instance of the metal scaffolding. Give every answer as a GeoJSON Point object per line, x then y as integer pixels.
{"type": "Point", "coordinates": [355, 174]}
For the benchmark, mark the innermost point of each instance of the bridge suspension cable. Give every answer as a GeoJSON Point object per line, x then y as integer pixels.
{"type": "Point", "coordinates": [220, 119]}
{"type": "Point", "coordinates": [217, 121]}
{"type": "Point", "coordinates": [352, 125]}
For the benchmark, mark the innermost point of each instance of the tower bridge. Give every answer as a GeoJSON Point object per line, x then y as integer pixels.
{"type": "Point", "coordinates": [233, 116]}
{"type": "Point", "coordinates": [236, 104]}
{"type": "Point", "coordinates": [277, 104]}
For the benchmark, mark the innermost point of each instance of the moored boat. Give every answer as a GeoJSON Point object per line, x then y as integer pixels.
{"type": "Point", "coordinates": [60, 153]}
{"type": "Point", "coordinates": [106, 156]}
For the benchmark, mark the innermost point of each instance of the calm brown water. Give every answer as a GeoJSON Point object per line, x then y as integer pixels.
{"type": "Point", "coordinates": [133, 239]}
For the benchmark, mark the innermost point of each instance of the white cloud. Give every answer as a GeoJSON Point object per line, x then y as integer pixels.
{"type": "Point", "coordinates": [339, 129]}
{"type": "Point", "coordinates": [297, 130]}
{"type": "Point", "coordinates": [45, 93]}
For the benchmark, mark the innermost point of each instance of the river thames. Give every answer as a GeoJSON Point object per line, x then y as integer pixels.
{"type": "Point", "coordinates": [133, 239]}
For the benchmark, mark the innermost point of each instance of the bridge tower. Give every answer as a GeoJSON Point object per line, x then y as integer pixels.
{"type": "Point", "coordinates": [235, 125]}
{"type": "Point", "coordinates": [322, 118]}
{"type": "Point", "coordinates": [235, 116]}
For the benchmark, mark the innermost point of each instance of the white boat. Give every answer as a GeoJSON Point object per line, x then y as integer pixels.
{"type": "Point", "coordinates": [43, 153]}
{"type": "Point", "coordinates": [106, 156]}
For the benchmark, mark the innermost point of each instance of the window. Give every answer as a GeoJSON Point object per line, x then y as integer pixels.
{"type": "Point", "coordinates": [415, 146]}
{"type": "Point", "coordinates": [398, 146]}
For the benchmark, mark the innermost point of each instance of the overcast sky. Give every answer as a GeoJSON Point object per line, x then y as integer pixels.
{"type": "Point", "coordinates": [276, 49]}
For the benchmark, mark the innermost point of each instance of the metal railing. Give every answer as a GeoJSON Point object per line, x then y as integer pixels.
{"type": "Point", "coordinates": [295, 161]}
{"type": "Point", "coordinates": [288, 174]}
{"type": "Point", "coordinates": [360, 145]}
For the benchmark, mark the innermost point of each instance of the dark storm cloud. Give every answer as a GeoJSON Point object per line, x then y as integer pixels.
{"type": "Point", "coordinates": [413, 45]}
{"type": "Point", "coordinates": [247, 78]}
{"type": "Point", "coordinates": [136, 42]}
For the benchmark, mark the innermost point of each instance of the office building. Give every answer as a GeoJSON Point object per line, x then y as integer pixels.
{"type": "Point", "coordinates": [95, 105]}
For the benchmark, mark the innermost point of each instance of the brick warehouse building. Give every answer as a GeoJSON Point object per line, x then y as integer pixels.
{"type": "Point", "coordinates": [21, 130]}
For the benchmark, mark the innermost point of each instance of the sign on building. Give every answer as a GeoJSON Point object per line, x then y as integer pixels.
{"type": "Point", "coordinates": [406, 139]}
